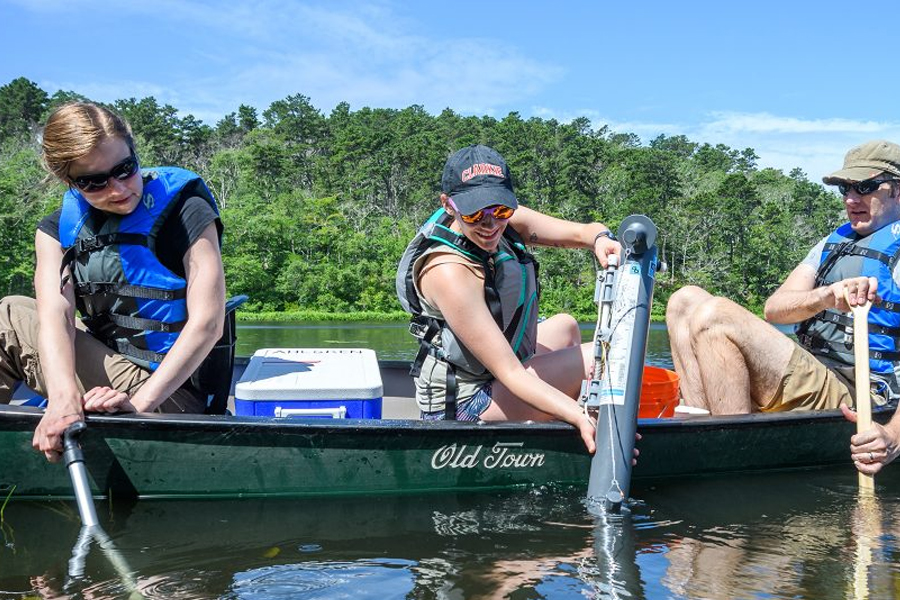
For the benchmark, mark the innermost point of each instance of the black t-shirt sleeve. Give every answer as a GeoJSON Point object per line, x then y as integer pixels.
{"type": "Point", "coordinates": [50, 224]}
{"type": "Point", "coordinates": [188, 220]}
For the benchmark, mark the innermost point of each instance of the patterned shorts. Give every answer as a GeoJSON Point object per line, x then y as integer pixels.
{"type": "Point", "coordinates": [468, 410]}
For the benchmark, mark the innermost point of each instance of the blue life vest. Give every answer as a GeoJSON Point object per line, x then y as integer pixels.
{"type": "Point", "coordinates": [128, 299]}
{"type": "Point", "coordinates": [830, 333]}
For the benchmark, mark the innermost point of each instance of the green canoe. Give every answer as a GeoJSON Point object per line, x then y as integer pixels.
{"type": "Point", "coordinates": [162, 456]}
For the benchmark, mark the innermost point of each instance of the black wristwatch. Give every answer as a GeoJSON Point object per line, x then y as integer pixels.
{"type": "Point", "coordinates": [605, 233]}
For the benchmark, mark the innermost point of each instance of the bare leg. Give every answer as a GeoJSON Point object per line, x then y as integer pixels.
{"type": "Point", "coordinates": [557, 332]}
{"type": "Point", "coordinates": [741, 358]}
{"type": "Point", "coordinates": [563, 369]}
{"type": "Point", "coordinates": [679, 309]}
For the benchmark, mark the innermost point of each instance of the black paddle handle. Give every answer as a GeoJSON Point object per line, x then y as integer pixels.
{"type": "Point", "coordinates": [71, 447]}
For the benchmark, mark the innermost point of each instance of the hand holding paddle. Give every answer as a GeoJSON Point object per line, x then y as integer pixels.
{"type": "Point", "coordinates": [91, 529]}
{"type": "Point", "coordinates": [861, 369]}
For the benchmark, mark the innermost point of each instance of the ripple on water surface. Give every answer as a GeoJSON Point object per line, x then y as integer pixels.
{"type": "Point", "coordinates": [361, 579]}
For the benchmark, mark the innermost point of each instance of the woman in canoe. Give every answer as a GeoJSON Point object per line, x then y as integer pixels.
{"type": "Point", "coordinates": [471, 287]}
{"type": "Point", "coordinates": [136, 251]}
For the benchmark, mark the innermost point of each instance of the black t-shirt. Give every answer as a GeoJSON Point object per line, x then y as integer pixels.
{"type": "Point", "coordinates": [188, 219]}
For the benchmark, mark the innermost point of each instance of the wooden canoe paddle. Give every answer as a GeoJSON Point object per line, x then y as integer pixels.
{"type": "Point", "coordinates": [861, 369]}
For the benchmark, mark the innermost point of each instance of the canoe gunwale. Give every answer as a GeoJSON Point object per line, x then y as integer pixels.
{"type": "Point", "coordinates": [29, 415]}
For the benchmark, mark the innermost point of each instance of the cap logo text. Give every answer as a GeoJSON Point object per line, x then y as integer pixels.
{"type": "Point", "coordinates": [481, 169]}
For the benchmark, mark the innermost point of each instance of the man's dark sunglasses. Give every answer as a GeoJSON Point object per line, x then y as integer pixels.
{"type": "Point", "coordinates": [98, 181]}
{"type": "Point", "coordinates": [863, 188]}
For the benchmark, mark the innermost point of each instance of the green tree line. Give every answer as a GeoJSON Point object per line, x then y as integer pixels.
{"type": "Point", "coordinates": [318, 208]}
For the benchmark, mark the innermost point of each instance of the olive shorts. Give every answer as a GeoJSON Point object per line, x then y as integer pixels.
{"type": "Point", "coordinates": [808, 384]}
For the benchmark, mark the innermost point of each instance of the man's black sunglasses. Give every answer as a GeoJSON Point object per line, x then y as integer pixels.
{"type": "Point", "coordinates": [98, 181]}
{"type": "Point", "coordinates": [863, 188]}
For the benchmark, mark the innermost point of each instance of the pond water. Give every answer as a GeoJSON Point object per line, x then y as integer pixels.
{"type": "Point", "coordinates": [801, 534]}
{"type": "Point", "coordinates": [392, 341]}
{"type": "Point", "coordinates": [791, 535]}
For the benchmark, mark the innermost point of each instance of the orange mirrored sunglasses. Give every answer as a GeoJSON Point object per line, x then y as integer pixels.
{"type": "Point", "coordinates": [498, 211]}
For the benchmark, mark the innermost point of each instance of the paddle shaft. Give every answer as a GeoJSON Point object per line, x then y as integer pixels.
{"type": "Point", "coordinates": [863, 399]}
{"type": "Point", "coordinates": [91, 530]}
{"type": "Point", "coordinates": [74, 458]}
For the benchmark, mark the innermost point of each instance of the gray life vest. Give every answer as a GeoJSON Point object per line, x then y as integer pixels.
{"type": "Point", "coordinates": [510, 291]}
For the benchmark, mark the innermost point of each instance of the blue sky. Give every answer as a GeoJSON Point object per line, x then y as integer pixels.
{"type": "Point", "coordinates": [800, 82]}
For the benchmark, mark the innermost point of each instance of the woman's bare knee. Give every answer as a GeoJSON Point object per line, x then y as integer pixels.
{"type": "Point", "coordinates": [559, 331]}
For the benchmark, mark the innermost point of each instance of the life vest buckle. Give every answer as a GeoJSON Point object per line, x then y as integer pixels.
{"type": "Point", "coordinates": [418, 329]}
{"type": "Point", "coordinates": [89, 245]}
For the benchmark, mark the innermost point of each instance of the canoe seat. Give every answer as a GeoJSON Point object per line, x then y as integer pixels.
{"type": "Point", "coordinates": [213, 376]}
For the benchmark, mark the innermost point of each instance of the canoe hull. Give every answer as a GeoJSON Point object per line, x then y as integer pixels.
{"type": "Point", "coordinates": [161, 456]}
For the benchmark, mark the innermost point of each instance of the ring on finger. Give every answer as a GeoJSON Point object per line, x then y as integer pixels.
{"type": "Point", "coordinates": [871, 457]}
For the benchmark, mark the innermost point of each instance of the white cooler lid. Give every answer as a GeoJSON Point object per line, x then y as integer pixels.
{"type": "Point", "coordinates": [310, 374]}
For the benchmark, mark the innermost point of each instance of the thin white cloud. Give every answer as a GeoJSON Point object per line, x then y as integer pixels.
{"type": "Point", "coordinates": [119, 90]}
{"type": "Point", "coordinates": [372, 54]}
{"type": "Point", "coordinates": [816, 146]}
{"type": "Point", "coordinates": [366, 54]}
{"type": "Point", "coordinates": [738, 123]}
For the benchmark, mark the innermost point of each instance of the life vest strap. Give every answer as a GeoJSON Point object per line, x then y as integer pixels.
{"type": "Point", "coordinates": [837, 318]}
{"type": "Point", "coordinates": [423, 329]}
{"type": "Point", "coordinates": [98, 242]}
{"type": "Point", "coordinates": [127, 348]}
{"type": "Point", "coordinates": [450, 394]}
{"type": "Point", "coordinates": [131, 291]}
{"type": "Point", "coordinates": [142, 324]}
{"type": "Point", "coordinates": [846, 248]}
{"type": "Point", "coordinates": [93, 244]}
{"type": "Point", "coordinates": [821, 346]}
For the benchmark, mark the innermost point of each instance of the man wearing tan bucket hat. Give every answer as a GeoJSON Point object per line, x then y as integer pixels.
{"type": "Point", "coordinates": [732, 362]}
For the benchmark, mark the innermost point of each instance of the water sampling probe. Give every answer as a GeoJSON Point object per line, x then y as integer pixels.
{"type": "Point", "coordinates": [624, 295]}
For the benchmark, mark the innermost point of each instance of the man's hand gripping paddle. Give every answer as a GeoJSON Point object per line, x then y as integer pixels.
{"type": "Point", "coordinates": [861, 369]}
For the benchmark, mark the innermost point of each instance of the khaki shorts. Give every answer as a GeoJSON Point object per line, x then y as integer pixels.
{"type": "Point", "coordinates": [807, 384]}
{"type": "Point", "coordinates": [95, 364]}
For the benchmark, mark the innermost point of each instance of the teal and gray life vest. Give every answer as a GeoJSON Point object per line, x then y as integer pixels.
{"type": "Point", "coordinates": [829, 334]}
{"type": "Point", "coordinates": [128, 299]}
{"type": "Point", "coordinates": [510, 291]}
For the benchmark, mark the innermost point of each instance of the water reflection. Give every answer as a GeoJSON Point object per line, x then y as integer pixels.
{"type": "Point", "coordinates": [793, 535]}
{"type": "Point", "coordinates": [391, 341]}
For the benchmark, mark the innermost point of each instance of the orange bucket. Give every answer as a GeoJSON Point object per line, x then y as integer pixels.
{"type": "Point", "coordinates": [659, 393]}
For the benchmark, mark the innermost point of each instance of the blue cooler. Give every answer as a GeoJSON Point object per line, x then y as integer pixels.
{"type": "Point", "coordinates": [334, 383]}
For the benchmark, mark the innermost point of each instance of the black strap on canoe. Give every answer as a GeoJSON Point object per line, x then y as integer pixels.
{"type": "Point", "coordinates": [213, 376]}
